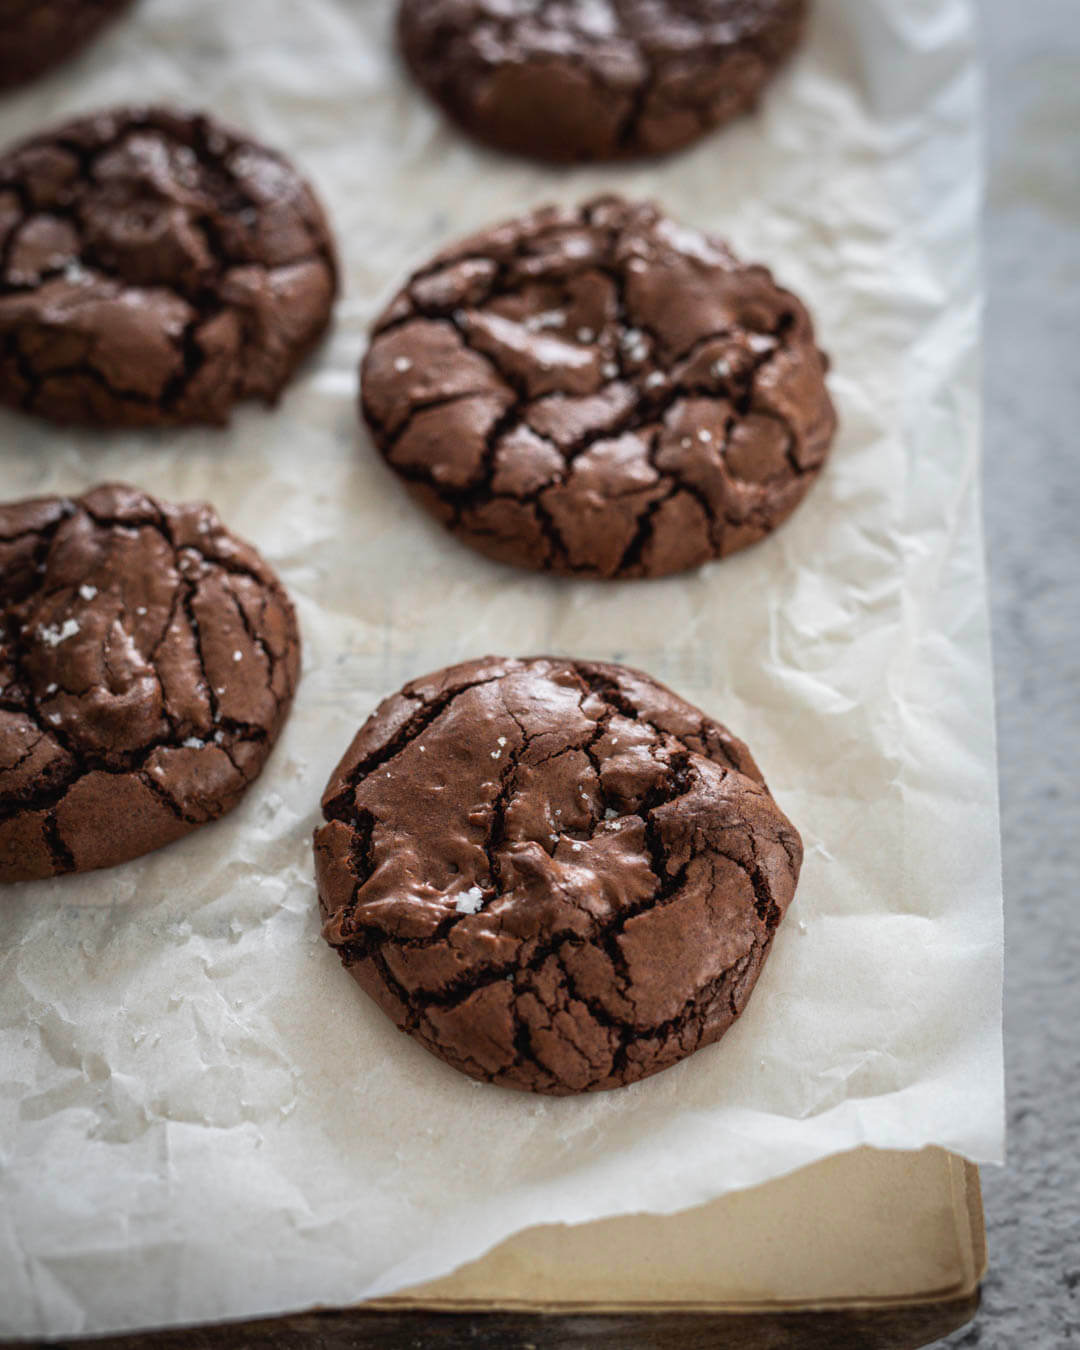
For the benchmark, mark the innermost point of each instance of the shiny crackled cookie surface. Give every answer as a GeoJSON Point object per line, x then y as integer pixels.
{"type": "Point", "coordinates": [155, 268]}
{"type": "Point", "coordinates": [556, 875]}
{"type": "Point", "coordinates": [570, 80]}
{"type": "Point", "coordinates": [599, 392]}
{"type": "Point", "coordinates": [148, 660]}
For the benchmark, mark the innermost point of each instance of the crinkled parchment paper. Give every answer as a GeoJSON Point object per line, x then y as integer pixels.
{"type": "Point", "coordinates": [201, 1116]}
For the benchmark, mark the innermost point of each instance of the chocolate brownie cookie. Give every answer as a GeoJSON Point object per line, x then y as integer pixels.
{"type": "Point", "coordinates": [38, 34]}
{"type": "Point", "coordinates": [147, 663]}
{"type": "Point", "coordinates": [599, 392]}
{"type": "Point", "coordinates": [572, 80]}
{"type": "Point", "coordinates": [155, 268]}
{"type": "Point", "coordinates": [556, 875]}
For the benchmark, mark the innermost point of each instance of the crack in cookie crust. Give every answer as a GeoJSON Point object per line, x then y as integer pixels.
{"type": "Point", "coordinates": [599, 392]}
{"type": "Point", "coordinates": [148, 661]}
{"type": "Point", "coordinates": [568, 80]}
{"type": "Point", "coordinates": [556, 875]}
{"type": "Point", "coordinates": [154, 269]}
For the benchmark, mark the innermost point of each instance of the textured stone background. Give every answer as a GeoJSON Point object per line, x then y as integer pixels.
{"type": "Point", "coordinates": [1031, 1297]}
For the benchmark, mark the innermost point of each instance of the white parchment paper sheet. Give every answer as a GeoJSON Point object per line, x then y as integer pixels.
{"type": "Point", "coordinates": [201, 1116]}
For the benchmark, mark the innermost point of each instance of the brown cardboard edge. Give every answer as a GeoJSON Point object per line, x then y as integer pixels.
{"type": "Point", "coordinates": [966, 1190]}
{"type": "Point", "coordinates": [977, 1218]}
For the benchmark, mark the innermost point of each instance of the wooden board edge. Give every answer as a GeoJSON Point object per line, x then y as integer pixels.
{"type": "Point", "coordinates": [367, 1328]}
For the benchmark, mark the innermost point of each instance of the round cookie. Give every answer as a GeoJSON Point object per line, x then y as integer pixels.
{"type": "Point", "coordinates": [599, 392]}
{"type": "Point", "coordinates": [573, 80]}
{"type": "Point", "coordinates": [556, 875]}
{"type": "Point", "coordinates": [40, 34]}
{"type": "Point", "coordinates": [148, 660]}
{"type": "Point", "coordinates": [154, 269]}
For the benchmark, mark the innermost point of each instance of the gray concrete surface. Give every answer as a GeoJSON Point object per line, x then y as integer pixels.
{"type": "Point", "coordinates": [1031, 1298]}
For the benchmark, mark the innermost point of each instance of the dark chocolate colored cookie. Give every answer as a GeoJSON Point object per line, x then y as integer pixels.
{"type": "Point", "coordinates": [599, 392]}
{"type": "Point", "coordinates": [556, 875]}
{"type": "Point", "coordinates": [154, 269]}
{"type": "Point", "coordinates": [147, 663]}
{"type": "Point", "coordinates": [36, 35]}
{"type": "Point", "coordinates": [596, 79]}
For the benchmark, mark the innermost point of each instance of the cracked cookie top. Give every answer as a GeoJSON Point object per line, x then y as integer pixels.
{"type": "Point", "coordinates": [154, 269]}
{"type": "Point", "coordinates": [599, 392]}
{"type": "Point", "coordinates": [147, 663]}
{"type": "Point", "coordinates": [568, 80]}
{"type": "Point", "coordinates": [39, 34]}
{"type": "Point", "coordinates": [556, 875]}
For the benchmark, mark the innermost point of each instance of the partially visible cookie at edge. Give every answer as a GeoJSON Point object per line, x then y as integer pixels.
{"type": "Point", "coordinates": [599, 392]}
{"type": "Point", "coordinates": [577, 80]}
{"type": "Point", "coordinates": [148, 661]}
{"type": "Point", "coordinates": [556, 875]}
{"type": "Point", "coordinates": [155, 269]}
{"type": "Point", "coordinates": [36, 35]}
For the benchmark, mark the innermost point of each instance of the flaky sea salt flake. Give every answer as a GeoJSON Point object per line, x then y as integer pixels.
{"type": "Point", "coordinates": [470, 902]}
{"type": "Point", "coordinates": [550, 318]}
{"type": "Point", "coordinates": [75, 273]}
{"type": "Point", "coordinates": [53, 635]}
